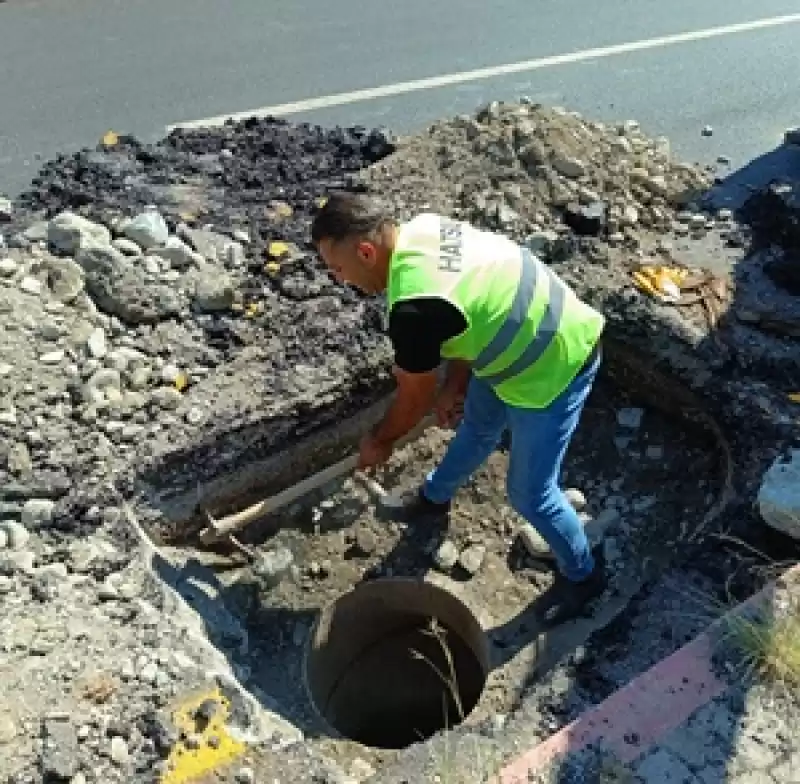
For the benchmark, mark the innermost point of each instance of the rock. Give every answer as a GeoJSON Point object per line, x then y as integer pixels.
{"type": "Point", "coordinates": [272, 567]}
{"type": "Point", "coordinates": [170, 373]}
{"type": "Point", "coordinates": [654, 452]}
{"type": "Point", "coordinates": [6, 208]}
{"type": "Point", "coordinates": [3, 539]}
{"type": "Point", "coordinates": [576, 499]}
{"type": "Point", "coordinates": [127, 247]}
{"type": "Point", "coordinates": [99, 384]}
{"type": "Point", "coordinates": [19, 459]}
{"type": "Point", "coordinates": [630, 417]}
{"type": "Point", "coordinates": [123, 290]}
{"type": "Point", "coordinates": [8, 729]}
{"type": "Point", "coordinates": [65, 279]}
{"type": "Point", "coordinates": [97, 343]}
{"type": "Point", "coordinates": [213, 292]}
{"type": "Point", "coordinates": [779, 495]}
{"type": "Point", "coordinates": [68, 232]}
{"type": "Point", "coordinates": [533, 542]}
{"type": "Point", "coordinates": [215, 247]}
{"type": "Point", "coordinates": [245, 776]}
{"type": "Point", "coordinates": [791, 137]}
{"type": "Point", "coordinates": [471, 559]}
{"type": "Point", "coordinates": [9, 416]}
{"type": "Point", "coordinates": [37, 512]}
{"type": "Point", "coordinates": [119, 751]}
{"type": "Point", "coordinates": [446, 556]}
{"type": "Point", "coordinates": [588, 221]}
{"type": "Point", "coordinates": [541, 243]}
{"type": "Point", "coordinates": [8, 267]}
{"type": "Point", "coordinates": [31, 286]}
{"type": "Point", "coordinates": [366, 543]}
{"type": "Point", "coordinates": [52, 357]}
{"type": "Point", "coordinates": [567, 166]}
{"type": "Point", "coordinates": [147, 230]}
{"type": "Point", "coordinates": [60, 751]}
{"type": "Point", "coordinates": [707, 131]}
{"type": "Point", "coordinates": [178, 253]}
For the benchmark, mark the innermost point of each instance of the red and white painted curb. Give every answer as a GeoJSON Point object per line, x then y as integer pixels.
{"type": "Point", "coordinates": [643, 712]}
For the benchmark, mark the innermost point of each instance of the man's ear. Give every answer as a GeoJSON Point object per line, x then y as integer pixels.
{"type": "Point", "coordinates": [367, 252]}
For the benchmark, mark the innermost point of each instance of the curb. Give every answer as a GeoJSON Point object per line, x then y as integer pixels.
{"type": "Point", "coordinates": [641, 713]}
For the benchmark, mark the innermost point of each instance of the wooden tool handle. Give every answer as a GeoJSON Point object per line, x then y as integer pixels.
{"type": "Point", "coordinates": [235, 522]}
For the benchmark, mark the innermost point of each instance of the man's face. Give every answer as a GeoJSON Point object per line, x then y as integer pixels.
{"type": "Point", "coordinates": [353, 261]}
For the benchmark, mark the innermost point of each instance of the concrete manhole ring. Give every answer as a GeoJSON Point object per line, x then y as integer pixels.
{"type": "Point", "coordinates": [378, 673]}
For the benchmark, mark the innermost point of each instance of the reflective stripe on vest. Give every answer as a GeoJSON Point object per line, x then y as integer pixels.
{"type": "Point", "coordinates": [517, 315]}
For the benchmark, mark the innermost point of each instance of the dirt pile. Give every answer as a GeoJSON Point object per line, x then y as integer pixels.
{"type": "Point", "coordinates": [539, 173]}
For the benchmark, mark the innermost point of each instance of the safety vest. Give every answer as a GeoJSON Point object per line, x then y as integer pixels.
{"type": "Point", "coordinates": [528, 335]}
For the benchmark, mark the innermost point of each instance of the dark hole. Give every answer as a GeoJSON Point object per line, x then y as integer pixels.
{"type": "Point", "coordinates": [389, 697]}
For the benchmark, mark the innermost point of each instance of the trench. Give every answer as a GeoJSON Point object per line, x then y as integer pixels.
{"type": "Point", "coordinates": [340, 644]}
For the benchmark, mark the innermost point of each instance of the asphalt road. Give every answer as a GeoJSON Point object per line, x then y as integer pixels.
{"type": "Point", "coordinates": [69, 71]}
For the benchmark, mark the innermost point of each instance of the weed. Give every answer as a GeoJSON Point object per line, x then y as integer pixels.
{"type": "Point", "coordinates": [465, 760]}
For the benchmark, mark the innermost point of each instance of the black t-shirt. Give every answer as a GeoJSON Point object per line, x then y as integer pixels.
{"type": "Point", "coordinates": [418, 328]}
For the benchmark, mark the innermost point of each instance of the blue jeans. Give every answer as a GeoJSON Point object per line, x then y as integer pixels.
{"type": "Point", "coordinates": [539, 441]}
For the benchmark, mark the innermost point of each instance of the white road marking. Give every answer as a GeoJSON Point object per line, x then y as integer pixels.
{"type": "Point", "coordinates": [447, 80]}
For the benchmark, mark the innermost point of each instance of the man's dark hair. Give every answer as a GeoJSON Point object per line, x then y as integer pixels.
{"type": "Point", "coordinates": [349, 215]}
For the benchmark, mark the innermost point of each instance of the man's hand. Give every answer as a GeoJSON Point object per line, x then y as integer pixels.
{"type": "Point", "coordinates": [372, 452]}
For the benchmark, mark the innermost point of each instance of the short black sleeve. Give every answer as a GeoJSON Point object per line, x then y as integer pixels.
{"type": "Point", "coordinates": [417, 329]}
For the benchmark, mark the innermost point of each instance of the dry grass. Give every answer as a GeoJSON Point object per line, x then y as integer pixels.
{"type": "Point", "coordinates": [768, 642]}
{"type": "Point", "coordinates": [466, 760]}
{"type": "Point", "coordinates": [764, 635]}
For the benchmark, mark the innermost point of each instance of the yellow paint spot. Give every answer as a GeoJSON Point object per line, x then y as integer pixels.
{"type": "Point", "coordinates": [322, 201]}
{"type": "Point", "coordinates": [212, 746]}
{"type": "Point", "coordinates": [272, 267]}
{"type": "Point", "coordinates": [276, 249]}
{"type": "Point", "coordinates": [794, 397]}
{"type": "Point", "coordinates": [181, 382]}
{"type": "Point", "coordinates": [253, 309]}
{"type": "Point", "coordinates": [110, 139]}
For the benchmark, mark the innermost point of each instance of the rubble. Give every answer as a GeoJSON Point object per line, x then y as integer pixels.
{"type": "Point", "coordinates": [779, 495]}
{"type": "Point", "coordinates": [164, 322]}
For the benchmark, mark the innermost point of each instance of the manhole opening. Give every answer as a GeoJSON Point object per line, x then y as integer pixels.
{"type": "Point", "coordinates": [395, 661]}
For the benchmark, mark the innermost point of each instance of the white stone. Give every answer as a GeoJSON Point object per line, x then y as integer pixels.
{"type": "Point", "coordinates": [68, 232]}
{"type": "Point", "coordinates": [37, 511]}
{"type": "Point", "coordinates": [575, 498]}
{"type": "Point", "coordinates": [9, 416]}
{"type": "Point", "coordinates": [119, 751]}
{"type": "Point", "coordinates": [472, 558]}
{"type": "Point", "coordinates": [177, 252]}
{"type": "Point", "coordinates": [446, 556]}
{"type": "Point", "coordinates": [52, 357]}
{"type": "Point", "coordinates": [8, 267]}
{"type": "Point", "coordinates": [126, 246]}
{"type": "Point", "coordinates": [170, 374]}
{"type": "Point", "coordinates": [779, 495]}
{"type": "Point", "coordinates": [97, 343]}
{"type": "Point", "coordinates": [147, 230]}
{"type": "Point", "coordinates": [5, 369]}
{"type": "Point", "coordinates": [30, 286]}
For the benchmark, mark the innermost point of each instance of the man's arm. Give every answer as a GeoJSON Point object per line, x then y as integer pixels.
{"type": "Point", "coordinates": [416, 393]}
{"type": "Point", "coordinates": [457, 377]}
{"type": "Point", "coordinates": [417, 330]}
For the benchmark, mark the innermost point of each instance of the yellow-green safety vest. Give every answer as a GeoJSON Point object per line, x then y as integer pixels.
{"type": "Point", "coordinates": [528, 335]}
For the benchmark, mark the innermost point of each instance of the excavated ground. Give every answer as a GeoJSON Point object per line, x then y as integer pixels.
{"type": "Point", "coordinates": [642, 500]}
{"type": "Point", "coordinates": [262, 371]}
